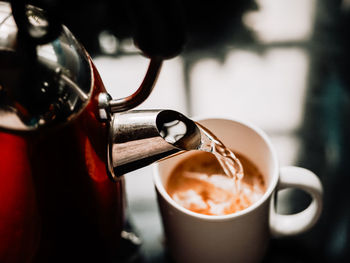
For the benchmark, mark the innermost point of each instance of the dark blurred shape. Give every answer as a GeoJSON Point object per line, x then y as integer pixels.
{"type": "Point", "coordinates": [210, 24]}
{"type": "Point", "coordinates": [156, 26]}
{"type": "Point", "coordinates": [159, 28]}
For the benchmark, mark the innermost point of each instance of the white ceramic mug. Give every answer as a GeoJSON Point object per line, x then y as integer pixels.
{"type": "Point", "coordinates": [242, 236]}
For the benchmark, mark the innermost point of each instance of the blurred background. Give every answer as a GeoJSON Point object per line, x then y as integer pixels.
{"type": "Point", "coordinates": [281, 64]}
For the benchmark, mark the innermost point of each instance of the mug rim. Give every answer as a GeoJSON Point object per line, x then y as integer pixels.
{"type": "Point", "coordinates": [272, 185]}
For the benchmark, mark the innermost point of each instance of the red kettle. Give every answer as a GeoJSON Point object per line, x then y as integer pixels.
{"type": "Point", "coordinates": [62, 138]}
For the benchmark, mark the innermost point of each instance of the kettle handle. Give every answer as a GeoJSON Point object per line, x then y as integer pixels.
{"type": "Point", "coordinates": [109, 106]}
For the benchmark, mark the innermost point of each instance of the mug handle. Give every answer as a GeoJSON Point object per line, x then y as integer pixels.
{"type": "Point", "coordinates": [303, 179]}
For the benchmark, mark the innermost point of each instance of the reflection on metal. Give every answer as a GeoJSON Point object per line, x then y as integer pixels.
{"type": "Point", "coordinates": [139, 138]}
{"type": "Point", "coordinates": [41, 85]}
{"type": "Point", "coordinates": [132, 237]}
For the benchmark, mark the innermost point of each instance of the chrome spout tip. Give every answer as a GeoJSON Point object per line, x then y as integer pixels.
{"type": "Point", "coordinates": [178, 130]}
{"type": "Point", "coordinates": [140, 137]}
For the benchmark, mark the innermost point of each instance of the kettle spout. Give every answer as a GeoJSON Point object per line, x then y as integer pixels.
{"type": "Point", "coordinates": [139, 138]}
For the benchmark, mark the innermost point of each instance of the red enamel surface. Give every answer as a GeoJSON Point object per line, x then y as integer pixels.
{"type": "Point", "coordinates": [56, 200]}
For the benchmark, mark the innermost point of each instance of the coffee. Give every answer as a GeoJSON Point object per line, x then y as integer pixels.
{"type": "Point", "coordinates": [199, 184]}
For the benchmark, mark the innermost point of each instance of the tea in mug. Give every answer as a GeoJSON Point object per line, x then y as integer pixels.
{"type": "Point", "coordinates": [199, 183]}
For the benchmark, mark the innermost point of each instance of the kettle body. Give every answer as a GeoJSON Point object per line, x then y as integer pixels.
{"type": "Point", "coordinates": [57, 203]}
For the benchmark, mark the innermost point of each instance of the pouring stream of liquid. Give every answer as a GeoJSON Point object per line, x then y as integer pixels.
{"type": "Point", "coordinates": [227, 159]}
{"type": "Point", "coordinates": [176, 131]}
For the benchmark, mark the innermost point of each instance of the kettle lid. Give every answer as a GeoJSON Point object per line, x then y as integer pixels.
{"type": "Point", "coordinates": [41, 84]}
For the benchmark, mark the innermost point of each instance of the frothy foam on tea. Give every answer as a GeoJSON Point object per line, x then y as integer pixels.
{"type": "Point", "coordinates": [200, 184]}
